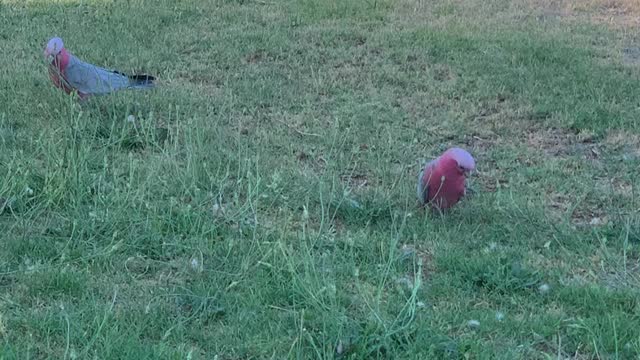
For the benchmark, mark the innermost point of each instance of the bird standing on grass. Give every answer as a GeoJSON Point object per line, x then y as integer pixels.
{"type": "Point", "coordinates": [72, 74]}
{"type": "Point", "coordinates": [442, 182]}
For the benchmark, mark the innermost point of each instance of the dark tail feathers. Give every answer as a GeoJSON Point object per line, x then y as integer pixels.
{"type": "Point", "coordinates": [141, 80]}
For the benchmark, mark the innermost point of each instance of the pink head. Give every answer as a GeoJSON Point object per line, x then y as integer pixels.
{"type": "Point", "coordinates": [460, 158]}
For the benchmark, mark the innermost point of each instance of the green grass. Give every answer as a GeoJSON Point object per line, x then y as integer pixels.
{"type": "Point", "coordinates": [262, 204]}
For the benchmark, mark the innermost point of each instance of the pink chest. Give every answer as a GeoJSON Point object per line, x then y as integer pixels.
{"type": "Point", "coordinates": [446, 188]}
{"type": "Point", "coordinates": [58, 79]}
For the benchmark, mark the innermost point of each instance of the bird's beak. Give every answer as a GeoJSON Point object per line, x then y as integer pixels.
{"type": "Point", "coordinates": [467, 172]}
{"type": "Point", "coordinates": [49, 58]}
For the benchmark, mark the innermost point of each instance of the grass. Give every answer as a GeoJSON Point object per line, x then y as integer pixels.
{"type": "Point", "coordinates": [261, 204]}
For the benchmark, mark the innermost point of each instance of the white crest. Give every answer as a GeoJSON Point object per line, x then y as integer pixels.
{"type": "Point", "coordinates": [54, 46]}
{"type": "Point", "coordinates": [463, 158]}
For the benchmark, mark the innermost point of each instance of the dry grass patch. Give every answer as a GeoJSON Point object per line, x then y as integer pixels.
{"type": "Point", "coordinates": [582, 212]}
{"type": "Point", "coordinates": [625, 142]}
{"type": "Point", "coordinates": [615, 13]}
{"type": "Point", "coordinates": [615, 185]}
{"type": "Point", "coordinates": [589, 215]}
{"type": "Point", "coordinates": [425, 258]}
{"type": "Point", "coordinates": [628, 278]}
{"type": "Point", "coordinates": [557, 142]}
{"type": "Point", "coordinates": [356, 181]}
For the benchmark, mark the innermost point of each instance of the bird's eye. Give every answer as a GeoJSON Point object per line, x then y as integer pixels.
{"type": "Point", "coordinates": [464, 170]}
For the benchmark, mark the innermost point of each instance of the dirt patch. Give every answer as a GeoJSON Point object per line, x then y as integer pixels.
{"type": "Point", "coordinates": [550, 8]}
{"type": "Point", "coordinates": [583, 213]}
{"type": "Point", "coordinates": [616, 13]}
{"type": "Point", "coordinates": [629, 279]}
{"type": "Point", "coordinates": [559, 202]}
{"type": "Point", "coordinates": [203, 84]}
{"type": "Point", "coordinates": [443, 72]}
{"type": "Point", "coordinates": [625, 143]}
{"type": "Point", "coordinates": [619, 14]}
{"type": "Point", "coordinates": [631, 55]}
{"type": "Point", "coordinates": [490, 182]}
{"type": "Point", "coordinates": [599, 269]}
{"type": "Point", "coordinates": [256, 57]}
{"type": "Point", "coordinates": [425, 256]}
{"type": "Point", "coordinates": [589, 216]}
{"type": "Point", "coordinates": [557, 142]}
{"type": "Point", "coordinates": [244, 124]}
{"type": "Point", "coordinates": [615, 186]}
{"type": "Point", "coordinates": [553, 142]}
{"type": "Point", "coordinates": [315, 162]}
{"type": "Point", "coordinates": [488, 111]}
{"type": "Point", "coordinates": [355, 181]}
{"type": "Point", "coordinates": [481, 143]}
{"type": "Point", "coordinates": [591, 211]}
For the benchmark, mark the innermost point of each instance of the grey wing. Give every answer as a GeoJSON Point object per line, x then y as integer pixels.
{"type": "Point", "coordinates": [91, 79]}
{"type": "Point", "coordinates": [423, 188]}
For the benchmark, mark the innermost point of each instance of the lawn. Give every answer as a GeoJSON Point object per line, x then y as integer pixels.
{"type": "Point", "coordinates": [260, 202]}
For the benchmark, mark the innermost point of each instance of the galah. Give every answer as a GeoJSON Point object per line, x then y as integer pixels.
{"type": "Point", "coordinates": [72, 74]}
{"type": "Point", "coordinates": [442, 181]}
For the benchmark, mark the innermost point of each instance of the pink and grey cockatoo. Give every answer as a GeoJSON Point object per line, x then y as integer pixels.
{"type": "Point", "coordinates": [72, 74]}
{"type": "Point", "coordinates": [442, 182]}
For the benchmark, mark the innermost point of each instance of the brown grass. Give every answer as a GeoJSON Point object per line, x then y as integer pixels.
{"type": "Point", "coordinates": [574, 7]}
{"type": "Point", "coordinates": [626, 142]}
{"type": "Point", "coordinates": [615, 13]}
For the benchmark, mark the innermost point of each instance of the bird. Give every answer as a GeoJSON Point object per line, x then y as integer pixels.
{"type": "Point", "coordinates": [442, 181]}
{"type": "Point", "coordinates": [71, 74]}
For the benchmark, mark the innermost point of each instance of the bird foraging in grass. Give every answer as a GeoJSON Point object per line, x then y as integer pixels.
{"type": "Point", "coordinates": [74, 75]}
{"type": "Point", "coordinates": [442, 182]}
